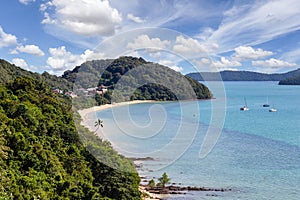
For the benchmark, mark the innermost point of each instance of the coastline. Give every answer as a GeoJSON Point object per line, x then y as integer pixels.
{"type": "Point", "coordinates": [88, 117]}
{"type": "Point", "coordinates": [84, 112]}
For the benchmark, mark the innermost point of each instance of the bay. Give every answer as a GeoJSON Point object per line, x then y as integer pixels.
{"type": "Point", "coordinates": [257, 154]}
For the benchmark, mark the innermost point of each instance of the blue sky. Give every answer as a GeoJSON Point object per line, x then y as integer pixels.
{"type": "Point", "coordinates": [186, 35]}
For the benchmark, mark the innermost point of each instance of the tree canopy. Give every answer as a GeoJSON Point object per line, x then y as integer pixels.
{"type": "Point", "coordinates": [42, 156]}
{"type": "Point", "coordinates": [130, 78]}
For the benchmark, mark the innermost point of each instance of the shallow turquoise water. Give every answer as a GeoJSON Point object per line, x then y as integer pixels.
{"type": "Point", "coordinates": [257, 154]}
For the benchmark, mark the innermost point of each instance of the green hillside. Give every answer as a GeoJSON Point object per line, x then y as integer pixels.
{"type": "Point", "coordinates": [8, 72]}
{"type": "Point", "coordinates": [150, 81]}
{"type": "Point", "coordinates": [41, 156]}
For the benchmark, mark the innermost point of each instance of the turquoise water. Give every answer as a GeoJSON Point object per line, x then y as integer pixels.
{"type": "Point", "coordinates": [257, 154]}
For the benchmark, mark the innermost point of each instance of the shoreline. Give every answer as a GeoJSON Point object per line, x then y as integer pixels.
{"type": "Point", "coordinates": [86, 111]}
{"type": "Point", "coordinates": [85, 115]}
{"type": "Point", "coordinates": [88, 118]}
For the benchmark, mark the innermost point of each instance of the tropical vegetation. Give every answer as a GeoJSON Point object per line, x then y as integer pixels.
{"type": "Point", "coordinates": [43, 157]}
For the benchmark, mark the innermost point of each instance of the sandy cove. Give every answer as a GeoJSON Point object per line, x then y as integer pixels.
{"type": "Point", "coordinates": [83, 113]}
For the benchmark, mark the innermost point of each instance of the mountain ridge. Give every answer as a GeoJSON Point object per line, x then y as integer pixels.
{"type": "Point", "coordinates": [241, 76]}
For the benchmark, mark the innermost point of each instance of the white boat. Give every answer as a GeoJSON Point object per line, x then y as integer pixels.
{"type": "Point", "coordinates": [273, 109]}
{"type": "Point", "coordinates": [245, 107]}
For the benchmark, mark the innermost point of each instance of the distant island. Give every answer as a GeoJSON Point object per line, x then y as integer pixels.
{"type": "Point", "coordinates": [242, 76]}
{"type": "Point", "coordinates": [294, 80]}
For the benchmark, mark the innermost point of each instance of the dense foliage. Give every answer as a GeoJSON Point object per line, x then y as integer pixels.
{"type": "Point", "coordinates": [241, 76]}
{"type": "Point", "coordinates": [294, 80]}
{"type": "Point", "coordinates": [8, 72]}
{"type": "Point", "coordinates": [42, 156]}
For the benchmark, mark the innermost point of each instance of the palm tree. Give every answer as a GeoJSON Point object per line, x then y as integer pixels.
{"type": "Point", "coordinates": [98, 123]}
{"type": "Point", "coordinates": [163, 180]}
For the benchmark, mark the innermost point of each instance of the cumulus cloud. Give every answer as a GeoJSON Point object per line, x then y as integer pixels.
{"type": "Point", "coordinates": [135, 18]}
{"type": "Point", "coordinates": [25, 2]}
{"type": "Point", "coordinates": [176, 68]}
{"type": "Point", "coordinates": [61, 59]}
{"type": "Point", "coordinates": [205, 61]}
{"type": "Point", "coordinates": [273, 63]}
{"type": "Point", "coordinates": [30, 49]}
{"type": "Point", "coordinates": [225, 63]}
{"type": "Point", "coordinates": [20, 63]}
{"type": "Point", "coordinates": [7, 39]}
{"type": "Point", "coordinates": [143, 41]}
{"type": "Point", "coordinates": [189, 46]}
{"type": "Point", "coordinates": [83, 17]}
{"type": "Point", "coordinates": [171, 65]}
{"type": "Point", "coordinates": [247, 52]}
{"type": "Point", "coordinates": [89, 55]}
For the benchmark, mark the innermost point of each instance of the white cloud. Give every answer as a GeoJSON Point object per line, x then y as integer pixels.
{"type": "Point", "coordinates": [143, 41]}
{"type": "Point", "coordinates": [205, 33]}
{"type": "Point", "coordinates": [247, 52]}
{"type": "Point", "coordinates": [20, 63]}
{"type": "Point", "coordinates": [257, 22]}
{"type": "Point", "coordinates": [25, 2]}
{"type": "Point", "coordinates": [30, 49]}
{"type": "Point", "coordinates": [205, 61]}
{"type": "Point", "coordinates": [133, 54]}
{"type": "Point", "coordinates": [273, 63]}
{"type": "Point", "coordinates": [14, 51]}
{"type": "Point", "coordinates": [135, 18]}
{"type": "Point", "coordinates": [225, 63]}
{"type": "Point", "coordinates": [61, 60]}
{"type": "Point", "coordinates": [47, 19]}
{"type": "Point", "coordinates": [204, 64]}
{"type": "Point", "coordinates": [189, 46]}
{"type": "Point", "coordinates": [171, 65]}
{"type": "Point", "coordinates": [23, 64]}
{"type": "Point", "coordinates": [83, 17]}
{"type": "Point", "coordinates": [89, 55]}
{"type": "Point", "coordinates": [293, 55]}
{"type": "Point", "coordinates": [176, 68]}
{"type": "Point", "coordinates": [7, 39]}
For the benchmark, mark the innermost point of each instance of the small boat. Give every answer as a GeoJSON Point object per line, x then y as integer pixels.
{"type": "Point", "coordinates": [267, 104]}
{"type": "Point", "coordinates": [273, 109]}
{"type": "Point", "coordinates": [245, 107]}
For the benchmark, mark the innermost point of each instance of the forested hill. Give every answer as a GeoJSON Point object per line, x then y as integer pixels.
{"type": "Point", "coordinates": [151, 78]}
{"type": "Point", "coordinates": [241, 76]}
{"type": "Point", "coordinates": [294, 80]}
{"type": "Point", "coordinates": [41, 154]}
{"type": "Point", "coordinates": [9, 72]}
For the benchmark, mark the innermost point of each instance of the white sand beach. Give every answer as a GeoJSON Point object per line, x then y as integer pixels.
{"type": "Point", "coordinates": [83, 113]}
{"type": "Point", "coordinates": [89, 117]}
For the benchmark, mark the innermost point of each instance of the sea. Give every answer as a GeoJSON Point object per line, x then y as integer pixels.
{"type": "Point", "coordinates": [255, 154]}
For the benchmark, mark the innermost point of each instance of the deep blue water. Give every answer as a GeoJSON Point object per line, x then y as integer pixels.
{"type": "Point", "coordinates": [257, 154]}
